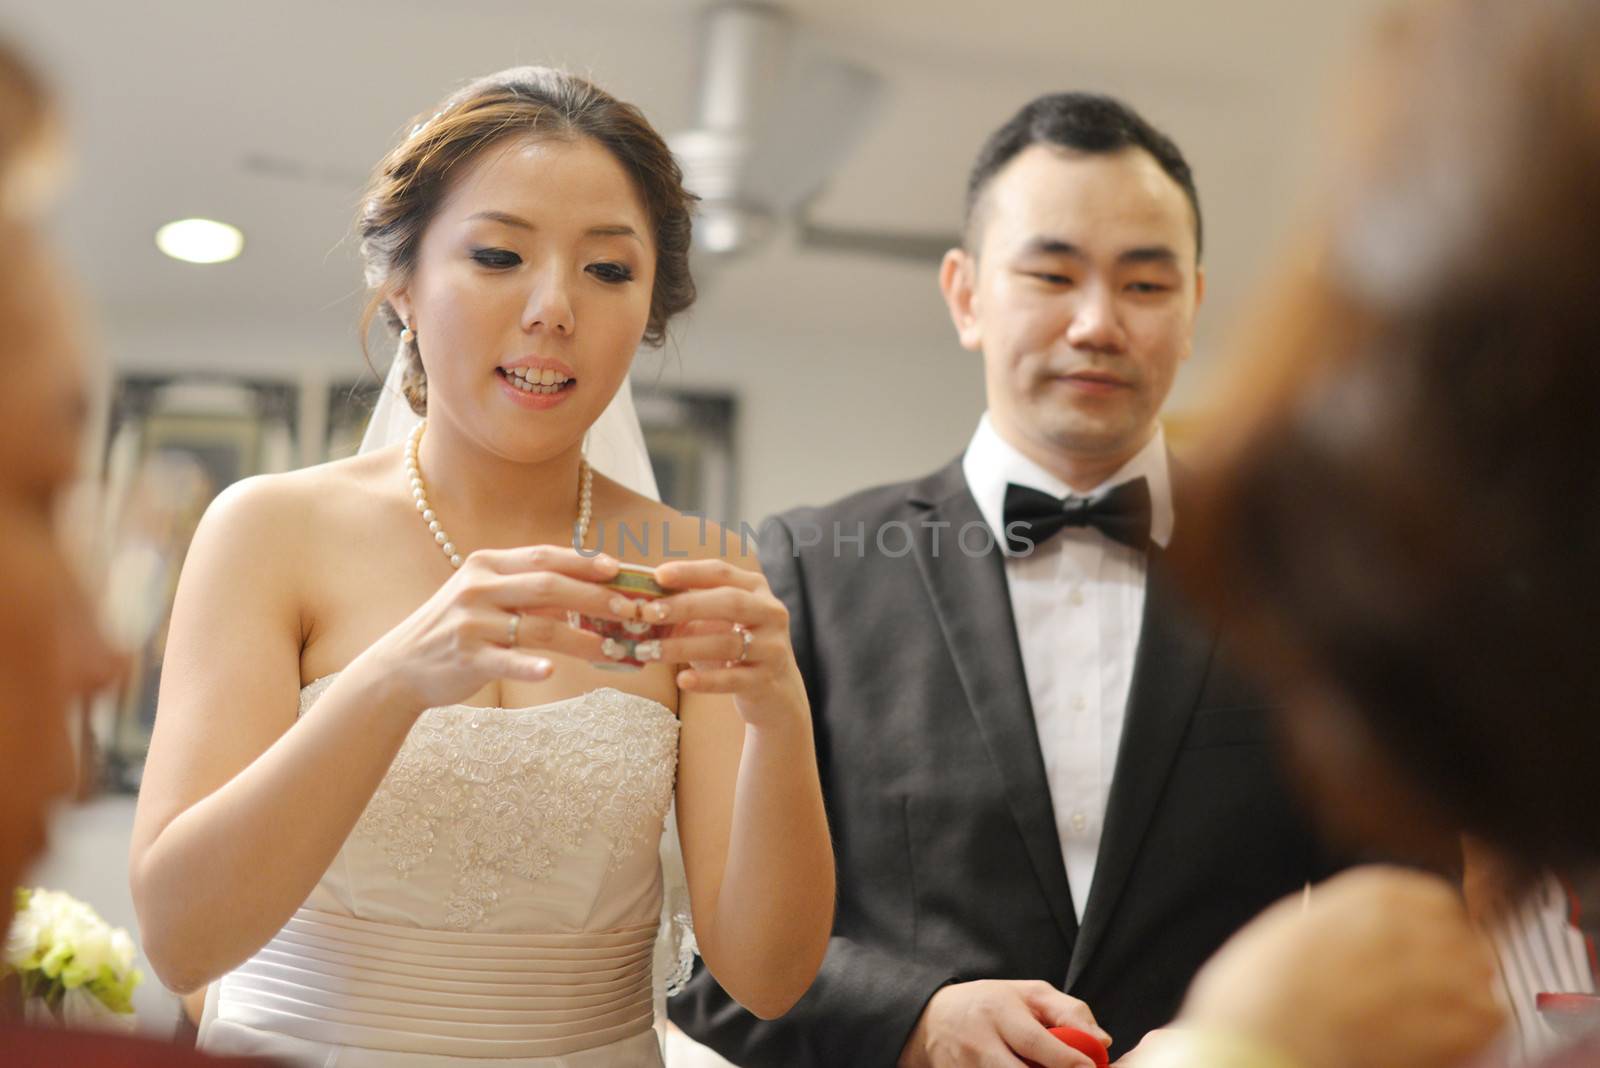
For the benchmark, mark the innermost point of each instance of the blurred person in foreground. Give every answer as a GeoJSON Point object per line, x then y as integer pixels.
{"type": "Point", "coordinates": [52, 653]}
{"type": "Point", "coordinates": [1407, 525]}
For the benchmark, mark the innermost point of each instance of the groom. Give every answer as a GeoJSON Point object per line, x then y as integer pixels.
{"type": "Point", "coordinates": [1045, 782]}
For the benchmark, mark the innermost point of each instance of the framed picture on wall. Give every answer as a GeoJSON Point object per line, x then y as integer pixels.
{"type": "Point", "coordinates": [690, 438]}
{"type": "Point", "coordinates": [226, 448]}
{"type": "Point", "coordinates": [197, 435]}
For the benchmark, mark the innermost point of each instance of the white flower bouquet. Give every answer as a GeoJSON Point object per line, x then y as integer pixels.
{"type": "Point", "coordinates": [73, 968]}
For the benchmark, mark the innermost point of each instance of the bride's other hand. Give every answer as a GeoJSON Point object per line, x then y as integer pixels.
{"type": "Point", "coordinates": [733, 634]}
{"type": "Point", "coordinates": [492, 620]}
{"type": "Point", "coordinates": [755, 832]}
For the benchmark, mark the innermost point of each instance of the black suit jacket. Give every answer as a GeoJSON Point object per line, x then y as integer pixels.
{"type": "Point", "coordinates": [950, 866]}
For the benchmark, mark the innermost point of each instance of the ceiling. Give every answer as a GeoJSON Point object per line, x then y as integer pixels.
{"type": "Point", "coordinates": [270, 115]}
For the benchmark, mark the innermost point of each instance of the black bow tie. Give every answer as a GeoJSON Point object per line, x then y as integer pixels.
{"type": "Point", "coordinates": [1033, 516]}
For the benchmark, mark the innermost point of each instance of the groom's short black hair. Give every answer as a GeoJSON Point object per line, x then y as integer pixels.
{"type": "Point", "coordinates": [1083, 122]}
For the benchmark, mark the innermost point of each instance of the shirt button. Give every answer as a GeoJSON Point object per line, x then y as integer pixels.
{"type": "Point", "coordinates": [1075, 598]}
{"type": "Point", "coordinates": [1079, 704]}
{"type": "Point", "coordinates": [1079, 821]}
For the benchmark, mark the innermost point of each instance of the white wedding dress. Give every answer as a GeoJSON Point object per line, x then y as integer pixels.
{"type": "Point", "coordinates": [497, 902]}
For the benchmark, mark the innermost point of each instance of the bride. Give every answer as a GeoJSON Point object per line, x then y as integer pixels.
{"type": "Point", "coordinates": [396, 809]}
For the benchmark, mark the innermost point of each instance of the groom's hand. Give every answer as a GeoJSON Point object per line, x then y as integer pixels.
{"type": "Point", "coordinates": [992, 1023]}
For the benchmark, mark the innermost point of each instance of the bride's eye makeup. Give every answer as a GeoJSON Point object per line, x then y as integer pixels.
{"type": "Point", "coordinates": [614, 273]}
{"type": "Point", "coordinates": [498, 258]}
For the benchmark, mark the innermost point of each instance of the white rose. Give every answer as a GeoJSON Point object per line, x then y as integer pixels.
{"type": "Point", "coordinates": [23, 939]}
{"type": "Point", "coordinates": [68, 926]}
{"type": "Point", "coordinates": [72, 937]}
{"type": "Point", "coordinates": [122, 949]}
{"type": "Point", "coordinates": [56, 913]}
{"type": "Point", "coordinates": [91, 948]}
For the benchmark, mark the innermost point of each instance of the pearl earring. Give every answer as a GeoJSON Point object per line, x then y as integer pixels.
{"type": "Point", "coordinates": [407, 336]}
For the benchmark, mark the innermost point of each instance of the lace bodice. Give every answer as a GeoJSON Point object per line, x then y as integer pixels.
{"type": "Point", "coordinates": [489, 817]}
{"type": "Point", "coordinates": [499, 900]}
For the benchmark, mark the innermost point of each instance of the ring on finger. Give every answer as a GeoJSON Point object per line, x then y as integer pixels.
{"type": "Point", "coordinates": [744, 632]}
{"type": "Point", "coordinates": [513, 625]}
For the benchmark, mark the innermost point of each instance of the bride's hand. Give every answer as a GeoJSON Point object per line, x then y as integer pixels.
{"type": "Point", "coordinates": [493, 617]}
{"type": "Point", "coordinates": [733, 634]}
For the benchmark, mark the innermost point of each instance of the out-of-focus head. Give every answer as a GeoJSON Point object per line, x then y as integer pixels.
{"type": "Point", "coordinates": [29, 139]}
{"type": "Point", "coordinates": [532, 217]}
{"type": "Point", "coordinates": [51, 652]}
{"type": "Point", "coordinates": [1407, 518]}
{"type": "Point", "coordinates": [1079, 277]}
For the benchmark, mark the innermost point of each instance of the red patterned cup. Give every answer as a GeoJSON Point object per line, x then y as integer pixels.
{"type": "Point", "coordinates": [623, 637]}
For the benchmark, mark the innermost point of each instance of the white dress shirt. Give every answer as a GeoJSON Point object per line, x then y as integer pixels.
{"type": "Point", "coordinates": [1540, 948]}
{"type": "Point", "coordinates": [1078, 604]}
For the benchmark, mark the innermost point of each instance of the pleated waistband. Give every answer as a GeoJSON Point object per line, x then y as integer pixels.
{"type": "Point", "coordinates": [351, 982]}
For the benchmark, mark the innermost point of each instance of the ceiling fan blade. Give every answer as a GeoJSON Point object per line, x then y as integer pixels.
{"type": "Point", "coordinates": [777, 114]}
{"type": "Point", "coordinates": [823, 107]}
{"type": "Point", "coordinates": [909, 246]}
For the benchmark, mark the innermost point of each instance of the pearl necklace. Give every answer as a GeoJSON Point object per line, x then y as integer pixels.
{"type": "Point", "coordinates": [419, 494]}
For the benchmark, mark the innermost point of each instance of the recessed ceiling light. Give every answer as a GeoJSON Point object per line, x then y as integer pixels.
{"type": "Point", "coordinates": [200, 240]}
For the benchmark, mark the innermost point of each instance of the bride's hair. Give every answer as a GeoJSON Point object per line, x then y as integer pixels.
{"type": "Point", "coordinates": [412, 179]}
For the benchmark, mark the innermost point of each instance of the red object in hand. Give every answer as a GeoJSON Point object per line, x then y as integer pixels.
{"type": "Point", "coordinates": [1084, 1043]}
{"type": "Point", "coordinates": [1570, 1015]}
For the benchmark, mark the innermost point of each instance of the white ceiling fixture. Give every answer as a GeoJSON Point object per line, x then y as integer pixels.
{"type": "Point", "coordinates": [200, 241]}
{"type": "Point", "coordinates": [776, 116]}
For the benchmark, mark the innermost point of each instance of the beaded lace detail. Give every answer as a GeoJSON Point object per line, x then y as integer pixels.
{"type": "Point", "coordinates": [508, 792]}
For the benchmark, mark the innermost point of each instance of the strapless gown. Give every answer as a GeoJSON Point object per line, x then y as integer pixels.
{"type": "Point", "coordinates": [498, 902]}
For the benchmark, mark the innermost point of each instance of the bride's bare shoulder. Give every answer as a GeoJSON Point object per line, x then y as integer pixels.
{"type": "Point", "coordinates": [640, 529]}
{"type": "Point", "coordinates": [280, 511]}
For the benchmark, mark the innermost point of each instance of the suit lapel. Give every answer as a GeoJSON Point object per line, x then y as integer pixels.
{"type": "Point", "coordinates": [973, 606]}
{"type": "Point", "coordinates": [1169, 669]}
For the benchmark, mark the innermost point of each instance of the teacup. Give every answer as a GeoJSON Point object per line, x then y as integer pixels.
{"type": "Point", "coordinates": [623, 637]}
